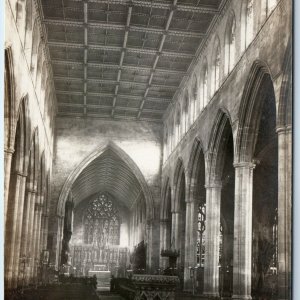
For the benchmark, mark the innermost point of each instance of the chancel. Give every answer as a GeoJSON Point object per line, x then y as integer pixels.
{"type": "Point", "coordinates": [148, 149]}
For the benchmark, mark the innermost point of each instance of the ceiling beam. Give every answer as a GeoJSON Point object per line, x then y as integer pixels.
{"type": "Point", "coordinates": [116, 66]}
{"type": "Point", "coordinates": [85, 57]}
{"type": "Point", "coordinates": [160, 47]}
{"type": "Point", "coordinates": [143, 3]}
{"type": "Point", "coordinates": [118, 49]}
{"type": "Point", "coordinates": [109, 81]}
{"type": "Point", "coordinates": [134, 97]}
{"type": "Point", "coordinates": [155, 111]}
{"type": "Point", "coordinates": [110, 26]}
{"type": "Point", "coordinates": [98, 116]}
{"type": "Point", "coordinates": [122, 58]}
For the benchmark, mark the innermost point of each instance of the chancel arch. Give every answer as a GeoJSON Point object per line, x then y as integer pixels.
{"type": "Point", "coordinates": [107, 179]}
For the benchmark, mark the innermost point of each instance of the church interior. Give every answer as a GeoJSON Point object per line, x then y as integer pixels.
{"type": "Point", "coordinates": [148, 149]}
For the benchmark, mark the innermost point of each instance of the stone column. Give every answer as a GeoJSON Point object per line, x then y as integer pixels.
{"type": "Point", "coordinates": [37, 209]}
{"type": "Point", "coordinates": [8, 153]}
{"type": "Point", "coordinates": [12, 228]}
{"type": "Point", "coordinates": [284, 211]}
{"type": "Point", "coordinates": [149, 241]}
{"type": "Point", "coordinates": [45, 231]}
{"type": "Point", "coordinates": [212, 240]}
{"type": "Point", "coordinates": [242, 245]}
{"type": "Point", "coordinates": [188, 247]}
{"type": "Point", "coordinates": [30, 233]}
{"type": "Point", "coordinates": [55, 230]}
{"type": "Point", "coordinates": [175, 242]}
{"type": "Point", "coordinates": [164, 242]}
{"type": "Point", "coordinates": [38, 232]}
{"type": "Point", "coordinates": [30, 195]}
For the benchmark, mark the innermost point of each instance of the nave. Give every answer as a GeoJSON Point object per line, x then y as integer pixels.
{"type": "Point", "coordinates": [148, 149]}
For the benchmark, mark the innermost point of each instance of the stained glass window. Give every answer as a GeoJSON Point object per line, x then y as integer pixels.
{"type": "Point", "coordinates": [101, 222]}
{"type": "Point", "coordinates": [201, 234]}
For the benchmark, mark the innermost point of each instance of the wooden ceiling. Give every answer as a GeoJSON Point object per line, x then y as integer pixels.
{"type": "Point", "coordinates": [123, 59]}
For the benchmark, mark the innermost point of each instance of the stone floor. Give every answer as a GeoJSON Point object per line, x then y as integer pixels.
{"type": "Point", "coordinates": [109, 296]}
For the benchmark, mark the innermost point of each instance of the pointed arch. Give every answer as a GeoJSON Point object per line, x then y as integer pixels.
{"type": "Point", "coordinates": [165, 207]}
{"type": "Point", "coordinates": [97, 153]}
{"type": "Point", "coordinates": [178, 178]}
{"type": "Point", "coordinates": [250, 110]}
{"type": "Point", "coordinates": [22, 136]}
{"type": "Point", "coordinates": [196, 151]}
{"type": "Point", "coordinates": [221, 131]}
{"type": "Point", "coordinates": [284, 117]}
{"type": "Point", "coordinates": [9, 99]}
{"type": "Point", "coordinates": [34, 152]}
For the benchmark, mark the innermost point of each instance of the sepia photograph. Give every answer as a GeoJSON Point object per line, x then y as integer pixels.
{"type": "Point", "coordinates": [148, 149]}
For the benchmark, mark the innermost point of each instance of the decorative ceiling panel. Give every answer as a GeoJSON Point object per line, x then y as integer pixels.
{"type": "Point", "coordinates": [123, 58]}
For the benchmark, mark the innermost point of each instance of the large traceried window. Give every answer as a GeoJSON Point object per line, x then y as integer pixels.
{"type": "Point", "coordinates": [201, 234]}
{"type": "Point", "coordinates": [101, 222]}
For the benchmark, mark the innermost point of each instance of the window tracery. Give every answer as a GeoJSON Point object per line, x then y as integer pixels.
{"type": "Point", "coordinates": [201, 234]}
{"type": "Point", "coordinates": [101, 222]}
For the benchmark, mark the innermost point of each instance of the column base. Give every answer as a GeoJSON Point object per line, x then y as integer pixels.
{"type": "Point", "coordinates": [211, 295]}
{"type": "Point", "coordinates": [241, 297]}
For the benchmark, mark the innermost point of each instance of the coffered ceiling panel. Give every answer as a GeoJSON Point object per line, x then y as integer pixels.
{"type": "Point", "coordinates": [123, 58]}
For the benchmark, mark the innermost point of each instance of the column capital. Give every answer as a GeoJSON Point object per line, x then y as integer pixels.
{"type": "Point", "coordinates": [21, 174]}
{"type": "Point", "coordinates": [38, 206]}
{"type": "Point", "coordinates": [164, 221]}
{"type": "Point", "coordinates": [244, 164]}
{"type": "Point", "coordinates": [31, 191]}
{"type": "Point", "coordinates": [283, 129]}
{"type": "Point", "coordinates": [175, 212]}
{"type": "Point", "coordinates": [9, 150]}
{"type": "Point", "coordinates": [213, 185]}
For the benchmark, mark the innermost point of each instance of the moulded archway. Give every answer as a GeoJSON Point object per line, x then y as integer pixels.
{"type": "Point", "coordinates": [197, 214]}
{"type": "Point", "coordinates": [93, 156]}
{"type": "Point", "coordinates": [219, 209]}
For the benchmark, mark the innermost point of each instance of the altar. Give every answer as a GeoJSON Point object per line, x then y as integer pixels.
{"type": "Point", "coordinates": [103, 277]}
